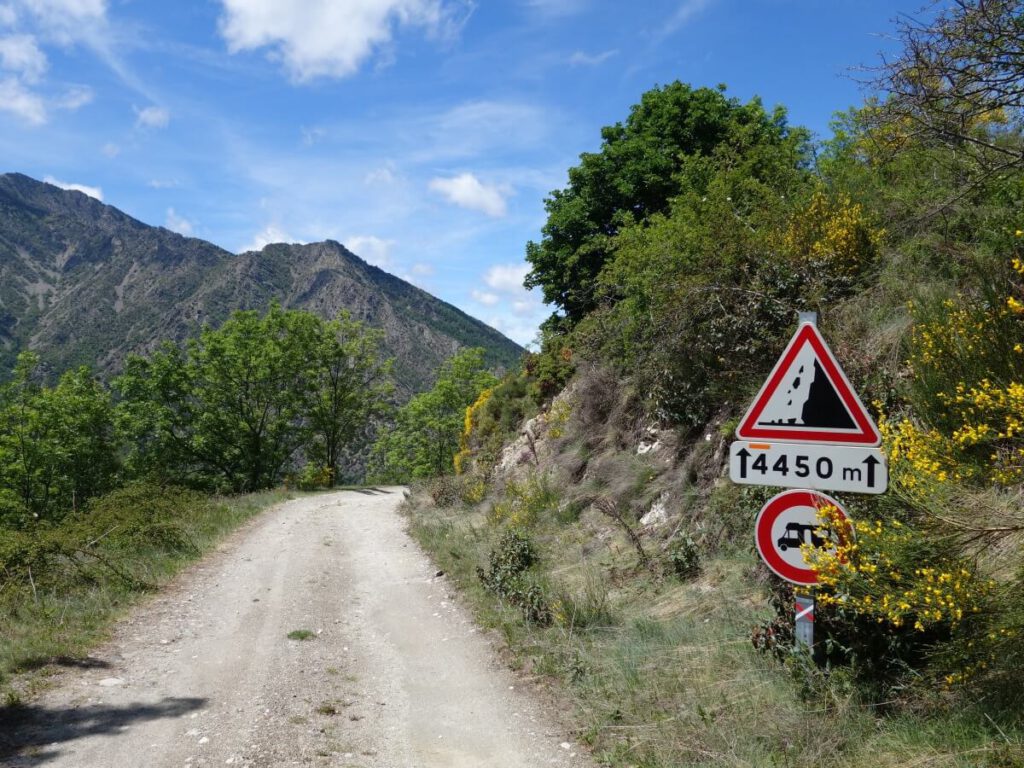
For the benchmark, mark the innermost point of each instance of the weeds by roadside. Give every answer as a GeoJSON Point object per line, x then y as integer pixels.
{"type": "Point", "coordinates": [659, 665]}
{"type": "Point", "coordinates": [61, 587]}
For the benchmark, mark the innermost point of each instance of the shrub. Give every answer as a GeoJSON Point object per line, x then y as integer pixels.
{"type": "Point", "coordinates": [444, 490]}
{"type": "Point", "coordinates": [472, 490]}
{"type": "Point", "coordinates": [684, 558]}
{"type": "Point", "coordinates": [525, 502]}
{"type": "Point", "coordinates": [314, 476]}
{"type": "Point", "coordinates": [506, 577]}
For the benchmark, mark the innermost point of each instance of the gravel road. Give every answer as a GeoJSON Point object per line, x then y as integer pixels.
{"type": "Point", "coordinates": [395, 674]}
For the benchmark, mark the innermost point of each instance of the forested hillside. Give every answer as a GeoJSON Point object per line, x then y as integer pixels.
{"type": "Point", "coordinates": [82, 283]}
{"type": "Point", "coordinates": [603, 536]}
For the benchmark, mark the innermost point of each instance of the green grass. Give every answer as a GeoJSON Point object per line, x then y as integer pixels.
{"type": "Point", "coordinates": [56, 617]}
{"type": "Point", "coordinates": [662, 673]}
{"type": "Point", "coordinates": [301, 634]}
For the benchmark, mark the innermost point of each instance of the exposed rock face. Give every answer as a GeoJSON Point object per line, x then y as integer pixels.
{"type": "Point", "coordinates": [532, 448]}
{"type": "Point", "coordinates": [84, 283]}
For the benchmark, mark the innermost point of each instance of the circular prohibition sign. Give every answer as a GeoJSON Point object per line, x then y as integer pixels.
{"type": "Point", "coordinates": [790, 520]}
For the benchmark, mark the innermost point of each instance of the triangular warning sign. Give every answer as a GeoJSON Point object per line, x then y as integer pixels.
{"type": "Point", "coordinates": [808, 399]}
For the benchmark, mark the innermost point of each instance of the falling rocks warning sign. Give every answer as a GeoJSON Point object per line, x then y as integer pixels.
{"type": "Point", "coordinates": [808, 399]}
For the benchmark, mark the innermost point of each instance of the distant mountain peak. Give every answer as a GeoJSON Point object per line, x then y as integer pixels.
{"type": "Point", "coordinates": [84, 283]}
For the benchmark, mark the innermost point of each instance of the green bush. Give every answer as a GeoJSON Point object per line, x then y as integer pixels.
{"type": "Point", "coordinates": [684, 558]}
{"type": "Point", "coordinates": [445, 490]}
{"type": "Point", "coordinates": [527, 501]}
{"type": "Point", "coordinates": [507, 577]}
{"type": "Point", "coordinates": [313, 477]}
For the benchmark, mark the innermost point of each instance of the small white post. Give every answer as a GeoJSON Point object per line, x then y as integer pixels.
{"type": "Point", "coordinates": [803, 626]}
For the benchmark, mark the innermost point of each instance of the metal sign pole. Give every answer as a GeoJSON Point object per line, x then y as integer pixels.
{"type": "Point", "coordinates": [803, 625]}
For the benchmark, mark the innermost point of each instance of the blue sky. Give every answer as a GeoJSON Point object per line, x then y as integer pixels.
{"type": "Point", "coordinates": [423, 134]}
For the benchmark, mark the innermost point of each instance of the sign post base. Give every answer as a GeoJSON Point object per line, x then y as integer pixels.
{"type": "Point", "coordinates": [803, 626]}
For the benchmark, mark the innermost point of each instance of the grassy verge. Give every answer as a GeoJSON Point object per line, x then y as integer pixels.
{"type": "Point", "coordinates": [63, 587]}
{"type": "Point", "coordinates": [662, 672]}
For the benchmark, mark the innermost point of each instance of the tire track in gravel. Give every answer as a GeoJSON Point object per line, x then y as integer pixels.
{"type": "Point", "coordinates": [395, 676]}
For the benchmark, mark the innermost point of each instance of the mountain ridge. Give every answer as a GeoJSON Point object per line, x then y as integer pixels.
{"type": "Point", "coordinates": [85, 283]}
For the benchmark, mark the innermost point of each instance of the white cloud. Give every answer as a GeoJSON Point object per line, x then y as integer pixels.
{"type": "Point", "coordinates": [178, 224]}
{"type": "Point", "coordinates": [555, 8]}
{"type": "Point", "coordinates": [162, 183]}
{"type": "Point", "coordinates": [481, 127]}
{"type": "Point", "coordinates": [467, 191]}
{"type": "Point", "coordinates": [110, 149]}
{"type": "Point", "coordinates": [90, 191]}
{"type": "Point", "coordinates": [486, 298]}
{"type": "Point", "coordinates": [423, 270]}
{"type": "Point", "coordinates": [61, 22]}
{"type": "Point", "coordinates": [686, 11]}
{"type": "Point", "coordinates": [522, 330]}
{"type": "Point", "coordinates": [581, 59]}
{"type": "Point", "coordinates": [311, 136]}
{"type": "Point", "coordinates": [17, 99]}
{"type": "Point", "coordinates": [516, 312]}
{"type": "Point", "coordinates": [370, 248]}
{"type": "Point", "coordinates": [507, 278]}
{"type": "Point", "coordinates": [22, 55]}
{"type": "Point", "coordinates": [76, 96]}
{"type": "Point", "coordinates": [59, 12]}
{"type": "Point", "coordinates": [327, 38]}
{"type": "Point", "coordinates": [382, 175]}
{"type": "Point", "coordinates": [269, 234]}
{"type": "Point", "coordinates": [152, 117]}
{"type": "Point", "coordinates": [67, 21]}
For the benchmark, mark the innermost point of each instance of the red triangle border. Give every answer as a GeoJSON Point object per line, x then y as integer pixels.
{"type": "Point", "coordinates": [807, 333]}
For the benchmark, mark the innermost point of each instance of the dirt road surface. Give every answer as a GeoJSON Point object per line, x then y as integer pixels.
{"type": "Point", "coordinates": [394, 675]}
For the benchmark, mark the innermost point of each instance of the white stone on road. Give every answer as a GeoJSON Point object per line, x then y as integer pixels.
{"type": "Point", "coordinates": [394, 674]}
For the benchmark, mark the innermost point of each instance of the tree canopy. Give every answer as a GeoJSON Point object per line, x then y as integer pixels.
{"type": "Point", "coordinates": [235, 405]}
{"type": "Point", "coordinates": [634, 176]}
{"type": "Point", "coordinates": [425, 437]}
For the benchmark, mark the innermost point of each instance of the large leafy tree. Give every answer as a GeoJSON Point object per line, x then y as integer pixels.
{"type": "Point", "coordinates": [634, 176]}
{"type": "Point", "coordinates": [348, 388]}
{"type": "Point", "coordinates": [58, 447]}
{"type": "Point", "coordinates": [425, 437]}
{"type": "Point", "coordinates": [235, 407]}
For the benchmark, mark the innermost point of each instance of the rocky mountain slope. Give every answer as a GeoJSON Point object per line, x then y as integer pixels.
{"type": "Point", "coordinates": [83, 283]}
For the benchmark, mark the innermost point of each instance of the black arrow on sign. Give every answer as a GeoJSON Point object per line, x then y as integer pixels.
{"type": "Point", "coordinates": [744, 454]}
{"type": "Point", "coordinates": [872, 462]}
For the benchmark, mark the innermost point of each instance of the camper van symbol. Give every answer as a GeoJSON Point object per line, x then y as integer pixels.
{"type": "Point", "coordinates": [802, 533]}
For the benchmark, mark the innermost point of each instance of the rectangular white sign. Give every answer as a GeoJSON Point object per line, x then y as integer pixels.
{"type": "Point", "coordinates": [802, 465]}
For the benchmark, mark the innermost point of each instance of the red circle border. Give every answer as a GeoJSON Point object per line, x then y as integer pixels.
{"type": "Point", "coordinates": [763, 532]}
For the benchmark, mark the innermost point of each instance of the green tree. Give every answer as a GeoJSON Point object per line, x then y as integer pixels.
{"type": "Point", "coordinates": [239, 402]}
{"type": "Point", "coordinates": [958, 82]}
{"type": "Point", "coordinates": [58, 447]}
{"type": "Point", "coordinates": [425, 437]}
{"type": "Point", "coordinates": [634, 176]}
{"type": "Point", "coordinates": [348, 387]}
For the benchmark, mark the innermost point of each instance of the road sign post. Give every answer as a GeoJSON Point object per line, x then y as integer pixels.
{"type": "Point", "coordinates": [791, 520]}
{"type": "Point", "coordinates": [805, 465]}
{"type": "Point", "coordinates": [803, 620]}
{"type": "Point", "coordinates": [808, 430]}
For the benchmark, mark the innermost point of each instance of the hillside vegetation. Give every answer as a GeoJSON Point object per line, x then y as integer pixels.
{"type": "Point", "coordinates": [105, 489]}
{"type": "Point", "coordinates": [194, 380]}
{"type": "Point", "coordinates": [596, 527]}
{"type": "Point", "coordinates": [82, 283]}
